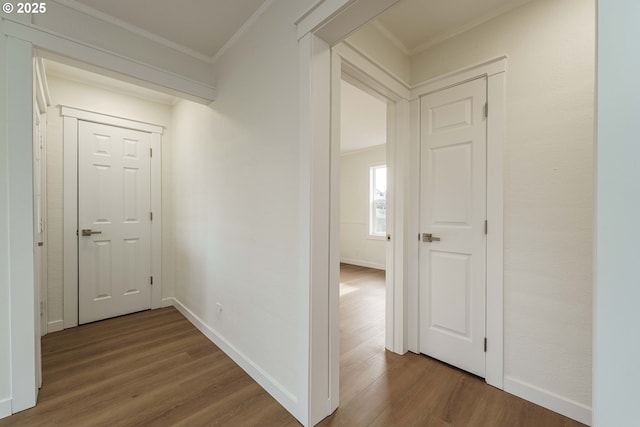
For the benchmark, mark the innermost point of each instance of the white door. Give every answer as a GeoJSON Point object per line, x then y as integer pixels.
{"type": "Point", "coordinates": [39, 273]}
{"type": "Point", "coordinates": [453, 212]}
{"type": "Point", "coordinates": [114, 221]}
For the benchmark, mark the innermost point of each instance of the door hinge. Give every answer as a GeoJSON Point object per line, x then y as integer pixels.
{"type": "Point", "coordinates": [151, 216]}
{"type": "Point", "coordinates": [151, 282]}
{"type": "Point", "coordinates": [150, 152]}
{"type": "Point", "coordinates": [486, 226]}
{"type": "Point", "coordinates": [418, 237]}
{"type": "Point", "coordinates": [485, 344]}
{"type": "Point", "coordinates": [486, 110]}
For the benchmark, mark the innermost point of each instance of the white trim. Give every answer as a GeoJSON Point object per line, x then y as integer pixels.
{"type": "Point", "coordinates": [156, 223]}
{"type": "Point", "coordinates": [496, 87]}
{"type": "Point", "coordinates": [87, 10]}
{"type": "Point", "coordinates": [334, 235]}
{"type": "Point", "coordinates": [22, 292]}
{"type": "Point", "coordinates": [5, 407]}
{"type": "Point", "coordinates": [241, 31]}
{"type": "Point", "coordinates": [315, 159]}
{"type": "Point", "coordinates": [366, 75]}
{"type": "Point", "coordinates": [70, 221]}
{"type": "Point", "coordinates": [321, 11]}
{"type": "Point", "coordinates": [144, 74]}
{"type": "Point", "coordinates": [362, 263]}
{"type": "Point", "coordinates": [271, 386]}
{"type": "Point", "coordinates": [70, 208]}
{"type": "Point", "coordinates": [90, 116]}
{"type": "Point", "coordinates": [549, 400]}
{"type": "Point", "coordinates": [168, 302]}
{"type": "Point", "coordinates": [55, 326]}
{"type": "Point", "coordinates": [391, 37]}
{"type": "Point", "coordinates": [486, 68]}
{"type": "Point", "coordinates": [376, 76]}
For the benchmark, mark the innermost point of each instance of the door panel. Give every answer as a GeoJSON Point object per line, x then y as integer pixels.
{"type": "Point", "coordinates": [114, 203]}
{"type": "Point", "coordinates": [453, 210]}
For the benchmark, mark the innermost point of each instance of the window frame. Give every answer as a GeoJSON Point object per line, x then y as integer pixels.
{"type": "Point", "coordinates": [371, 216]}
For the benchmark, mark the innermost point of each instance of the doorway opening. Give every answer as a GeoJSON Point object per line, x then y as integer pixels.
{"type": "Point", "coordinates": [81, 99]}
{"type": "Point", "coordinates": [364, 208]}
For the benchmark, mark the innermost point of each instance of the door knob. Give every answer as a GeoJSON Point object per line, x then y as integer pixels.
{"type": "Point", "coordinates": [89, 232]}
{"type": "Point", "coordinates": [428, 237]}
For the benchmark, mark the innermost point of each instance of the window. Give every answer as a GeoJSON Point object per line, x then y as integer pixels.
{"type": "Point", "coordinates": [378, 201]}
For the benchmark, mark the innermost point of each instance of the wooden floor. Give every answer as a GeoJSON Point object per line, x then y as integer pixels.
{"type": "Point", "coordinates": [380, 388]}
{"type": "Point", "coordinates": [155, 369]}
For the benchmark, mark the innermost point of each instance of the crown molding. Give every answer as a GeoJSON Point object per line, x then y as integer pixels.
{"type": "Point", "coordinates": [464, 28]}
{"type": "Point", "coordinates": [242, 30]}
{"type": "Point", "coordinates": [87, 10]}
{"type": "Point", "coordinates": [391, 37]}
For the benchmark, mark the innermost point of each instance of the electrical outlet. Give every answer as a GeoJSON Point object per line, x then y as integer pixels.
{"type": "Point", "coordinates": [219, 312]}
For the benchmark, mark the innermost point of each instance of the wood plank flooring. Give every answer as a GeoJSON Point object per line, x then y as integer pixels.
{"type": "Point", "coordinates": [155, 369]}
{"type": "Point", "coordinates": [380, 388]}
{"type": "Point", "coordinates": [147, 369]}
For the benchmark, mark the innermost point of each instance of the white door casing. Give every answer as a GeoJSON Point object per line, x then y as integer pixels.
{"type": "Point", "coordinates": [453, 209]}
{"type": "Point", "coordinates": [114, 205]}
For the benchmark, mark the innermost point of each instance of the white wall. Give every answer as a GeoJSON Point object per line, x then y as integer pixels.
{"type": "Point", "coordinates": [5, 340]}
{"type": "Point", "coordinates": [356, 247]}
{"type": "Point", "coordinates": [617, 318]}
{"type": "Point", "coordinates": [236, 183]}
{"type": "Point", "coordinates": [548, 229]}
{"type": "Point", "coordinates": [112, 102]}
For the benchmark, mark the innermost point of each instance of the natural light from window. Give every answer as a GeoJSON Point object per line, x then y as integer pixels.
{"type": "Point", "coordinates": [378, 201]}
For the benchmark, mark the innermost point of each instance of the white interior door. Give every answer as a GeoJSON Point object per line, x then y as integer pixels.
{"type": "Point", "coordinates": [452, 224]}
{"type": "Point", "coordinates": [39, 275]}
{"type": "Point", "coordinates": [114, 252]}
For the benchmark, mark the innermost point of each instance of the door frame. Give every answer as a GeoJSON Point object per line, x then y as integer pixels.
{"type": "Point", "coordinates": [494, 71]}
{"type": "Point", "coordinates": [70, 203]}
{"type": "Point", "coordinates": [350, 65]}
{"type": "Point", "coordinates": [324, 25]}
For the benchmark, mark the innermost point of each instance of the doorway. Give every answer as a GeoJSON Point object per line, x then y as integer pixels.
{"type": "Point", "coordinates": [114, 216]}
{"type": "Point", "coordinates": [139, 207]}
{"type": "Point", "coordinates": [453, 141]}
{"type": "Point", "coordinates": [364, 210]}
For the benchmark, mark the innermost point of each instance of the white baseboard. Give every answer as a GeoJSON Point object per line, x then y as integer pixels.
{"type": "Point", "coordinates": [5, 407]}
{"type": "Point", "coordinates": [275, 389]}
{"type": "Point", "coordinates": [167, 302]}
{"type": "Point", "coordinates": [55, 326]}
{"type": "Point", "coordinates": [363, 263]}
{"type": "Point", "coordinates": [549, 400]}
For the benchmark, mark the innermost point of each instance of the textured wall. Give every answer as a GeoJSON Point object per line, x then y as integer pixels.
{"type": "Point", "coordinates": [549, 195]}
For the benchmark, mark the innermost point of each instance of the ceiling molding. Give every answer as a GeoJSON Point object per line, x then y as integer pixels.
{"type": "Point", "coordinates": [87, 10]}
{"type": "Point", "coordinates": [242, 30]}
{"type": "Point", "coordinates": [391, 37]}
{"type": "Point", "coordinates": [466, 27]}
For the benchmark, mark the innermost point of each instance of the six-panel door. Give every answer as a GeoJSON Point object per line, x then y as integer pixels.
{"type": "Point", "coordinates": [114, 212]}
{"type": "Point", "coordinates": [453, 209]}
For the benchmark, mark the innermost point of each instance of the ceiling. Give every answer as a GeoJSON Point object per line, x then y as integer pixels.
{"type": "Point", "coordinates": [203, 27]}
{"type": "Point", "coordinates": [418, 24]}
{"type": "Point", "coordinates": [200, 26]}
{"type": "Point", "coordinates": [363, 119]}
